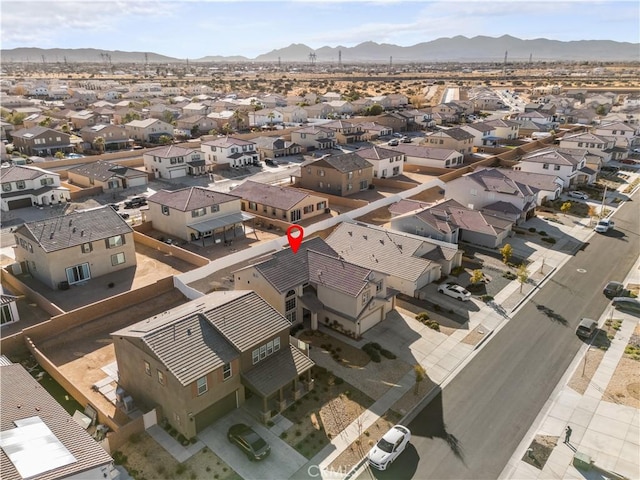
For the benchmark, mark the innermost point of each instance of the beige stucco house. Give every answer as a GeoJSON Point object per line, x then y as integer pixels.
{"type": "Point", "coordinates": [342, 175]}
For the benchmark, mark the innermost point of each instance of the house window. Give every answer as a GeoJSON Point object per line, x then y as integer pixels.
{"type": "Point", "coordinates": [147, 368]}
{"type": "Point", "coordinates": [321, 205]}
{"type": "Point", "coordinates": [350, 175]}
{"type": "Point", "coordinates": [202, 385]}
{"type": "Point", "coordinates": [86, 248]}
{"type": "Point", "coordinates": [78, 273]}
{"type": "Point", "coordinates": [6, 187]}
{"type": "Point", "coordinates": [365, 297]}
{"type": "Point", "coordinates": [215, 208]}
{"type": "Point", "coordinates": [263, 352]}
{"type": "Point", "coordinates": [255, 356]}
{"type": "Point", "coordinates": [290, 306]}
{"type": "Point", "coordinates": [21, 185]}
{"type": "Point", "coordinates": [308, 209]}
{"type": "Point", "coordinates": [363, 185]}
{"type": "Point", "coordinates": [276, 344]}
{"type": "Point", "coordinates": [161, 380]}
{"type": "Point", "coordinates": [320, 185]}
{"type": "Point", "coordinates": [379, 286]}
{"type": "Point", "coordinates": [270, 347]}
{"type": "Point", "coordinates": [321, 172]}
{"type": "Point", "coordinates": [117, 259]}
{"type": "Point", "coordinates": [115, 241]}
{"type": "Point", "coordinates": [46, 181]}
{"type": "Point", "coordinates": [7, 314]}
{"type": "Point", "coordinates": [226, 371]}
{"type": "Point", "coordinates": [198, 212]}
{"type": "Point", "coordinates": [253, 206]}
{"type": "Point", "coordinates": [165, 210]}
{"type": "Point", "coordinates": [545, 166]}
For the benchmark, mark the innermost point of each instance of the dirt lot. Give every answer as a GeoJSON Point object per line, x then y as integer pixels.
{"type": "Point", "coordinates": [624, 386]}
{"type": "Point", "coordinates": [540, 450]}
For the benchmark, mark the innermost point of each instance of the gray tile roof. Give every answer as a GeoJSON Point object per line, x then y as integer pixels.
{"type": "Point", "coordinates": [346, 162]}
{"type": "Point", "coordinates": [405, 205]}
{"type": "Point", "coordinates": [23, 397]}
{"type": "Point", "coordinates": [277, 370]}
{"type": "Point", "coordinates": [535, 181]}
{"type": "Point", "coordinates": [103, 171]}
{"type": "Point", "coordinates": [456, 133]}
{"type": "Point", "coordinates": [376, 153]}
{"type": "Point", "coordinates": [422, 151]}
{"type": "Point", "coordinates": [379, 249]}
{"type": "Point", "coordinates": [551, 156]}
{"type": "Point", "coordinates": [284, 198]}
{"type": "Point", "coordinates": [67, 231]}
{"type": "Point", "coordinates": [190, 198]}
{"type": "Point", "coordinates": [37, 131]}
{"type": "Point", "coordinates": [502, 123]}
{"type": "Point", "coordinates": [336, 273]}
{"type": "Point", "coordinates": [286, 270]}
{"type": "Point", "coordinates": [494, 180]}
{"type": "Point", "coordinates": [20, 172]}
{"type": "Point", "coordinates": [169, 151]}
{"type": "Point", "coordinates": [227, 142]}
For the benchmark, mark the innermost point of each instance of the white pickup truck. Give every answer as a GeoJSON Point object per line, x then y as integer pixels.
{"type": "Point", "coordinates": [604, 225]}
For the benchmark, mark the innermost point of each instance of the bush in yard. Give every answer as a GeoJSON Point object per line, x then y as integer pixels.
{"type": "Point", "coordinates": [422, 317]}
{"type": "Point", "coordinates": [119, 458]}
{"type": "Point", "coordinates": [510, 275]}
{"type": "Point", "coordinates": [506, 252]}
{"type": "Point", "coordinates": [486, 298]}
{"type": "Point", "coordinates": [433, 325]}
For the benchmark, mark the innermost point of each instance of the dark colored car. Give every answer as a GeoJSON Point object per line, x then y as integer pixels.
{"type": "Point", "coordinates": [586, 328]}
{"type": "Point", "coordinates": [252, 444]}
{"type": "Point", "coordinates": [115, 206]}
{"type": "Point", "coordinates": [628, 304]}
{"type": "Point", "coordinates": [124, 215]}
{"type": "Point", "coordinates": [613, 289]}
{"type": "Point", "coordinates": [135, 202]}
{"type": "Point", "coordinates": [271, 162]}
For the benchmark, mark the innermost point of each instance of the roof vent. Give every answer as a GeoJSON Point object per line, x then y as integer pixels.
{"type": "Point", "coordinates": [364, 236]}
{"type": "Point", "coordinates": [74, 230]}
{"type": "Point", "coordinates": [51, 236]}
{"type": "Point", "coordinates": [82, 233]}
{"type": "Point", "coordinates": [188, 331]}
{"type": "Point", "coordinates": [382, 241]}
{"type": "Point", "coordinates": [70, 221]}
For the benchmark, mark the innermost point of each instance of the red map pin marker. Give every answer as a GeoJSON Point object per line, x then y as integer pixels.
{"type": "Point", "coordinates": [295, 233]}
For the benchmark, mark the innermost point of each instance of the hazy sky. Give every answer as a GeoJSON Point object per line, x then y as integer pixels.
{"type": "Point", "coordinates": [193, 29]}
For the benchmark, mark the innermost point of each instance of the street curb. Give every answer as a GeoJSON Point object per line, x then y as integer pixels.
{"type": "Point", "coordinates": [532, 291]}
{"type": "Point", "coordinates": [486, 337]}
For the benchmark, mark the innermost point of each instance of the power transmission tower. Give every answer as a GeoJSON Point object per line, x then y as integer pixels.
{"type": "Point", "coordinates": [504, 67]}
{"type": "Point", "coordinates": [279, 62]}
{"type": "Point", "coordinates": [312, 58]}
{"type": "Point", "coordinates": [390, 63]}
{"type": "Point", "coordinates": [44, 59]}
{"type": "Point", "coordinates": [340, 58]}
{"type": "Point", "coordinates": [530, 57]}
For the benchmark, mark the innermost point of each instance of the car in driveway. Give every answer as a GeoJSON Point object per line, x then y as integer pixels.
{"type": "Point", "coordinates": [135, 202]}
{"type": "Point", "coordinates": [586, 328]}
{"type": "Point", "coordinates": [253, 445]}
{"type": "Point", "coordinates": [604, 225]}
{"type": "Point", "coordinates": [455, 291]}
{"type": "Point", "coordinates": [393, 142]}
{"type": "Point", "coordinates": [271, 162]}
{"type": "Point", "coordinates": [389, 447]}
{"type": "Point", "coordinates": [406, 139]}
{"type": "Point", "coordinates": [578, 194]}
{"type": "Point", "coordinates": [627, 304]}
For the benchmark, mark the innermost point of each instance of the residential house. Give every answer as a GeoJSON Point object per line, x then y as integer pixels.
{"type": "Point", "coordinates": [484, 135]}
{"type": "Point", "coordinates": [41, 142]}
{"type": "Point", "coordinates": [431, 157]}
{"type": "Point", "coordinates": [195, 109]}
{"type": "Point", "coordinates": [373, 131]}
{"type": "Point", "coordinates": [25, 185]}
{"type": "Point", "coordinates": [449, 112]}
{"type": "Point", "coordinates": [409, 262]}
{"type": "Point", "coordinates": [270, 147]}
{"type": "Point", "coordinates": [82, 119]}
{"type": "Point", "coordinates": [193, 126]}
{"type": "Point", "coordinates": [229, 152]}
{"type": "Point", "coordinates": [397, 100]}
{"type": "Point", "coordinates": [330, 97]}
{"type": "Point", "coordinates": [273, 100]}
{"type": "Point", "coordinates": [341, 108]}
{"type": "Point", "coordinates": [173, 161]}
{"type": "Point", "coordinates": [626, 136]}
{"type": "Point", "coordinates": [114, 137]}
{"type": "Point", "coordinates": [281, 203]}
{"type": "Point", "coordinates": [392, 120]}
{"type": "Point", "coordinates": [490, 189]}
{"type": "Point", "coordinates": [233, 119]}
{"type": "Point", "coordinates": [315, 284]}
{"type": "Point", "coordinates": [591, 142]}
{"type": "Point", "coordinates": [484, 98]}
{"type": "Point", "coordinates": [451, 222]}
{"type": "Point", "coordinates": [314, 138]}
{"type": "Point", "coordinates": [318, 110]}
{"type": "Point", "coordinates": [342, 175]}
{"type": "Point", "coordinates": [386, 162]}
{"type": "Point", "coordinates": [265, 118]}
{"type": "Point", "coordinates": [452, 138]}
{"type": "Point", "coordinates": [345, 132]}
{"type": "Point", "coordinates": [360, 105]}
{"type": "Point", "coordinates": [6, 129]}
{"type": "Point", "coordinates": [383, 100]}
{"type": "Point", "coordinates": [40, 440]}
{"type": "Point", "coordinates": [8, 308]}
{"type": "Point", "coordinates": [569, 165]}
{"type": "Point", "coordinates": [293, 114]}
{"type": "Point", "coordinates": [72, 249]}
{"type": "Point", "coordinates": [546, 187]}
{"type": "Point", "coordinates": [149, 130]}
{"type": "Point", "coordinates": [537, 117]}
{"type": "Point", "coordinates": [504, 129]}
{"type": "Point", "coordinates": [111, 177]}
{"type": "Point", "coordinates": [197, 361]}
{"type": "Point", "coordinates": [198, 214]}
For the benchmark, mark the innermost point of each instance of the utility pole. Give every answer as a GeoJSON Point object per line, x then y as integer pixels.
{"type": "Point", "coordinates": [604, 195]}
{"type": "Point", "coordinates": [390, 63]}
{"type": "Point", "coordinates": [339, 58]}
{"type": "Point", "coordinates": [504, 66]}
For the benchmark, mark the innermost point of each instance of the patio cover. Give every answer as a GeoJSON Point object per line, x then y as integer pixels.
{"type": "Point", "coordinates": [276, 371]}
{"type": "Point", "coordinates": [215, 223]}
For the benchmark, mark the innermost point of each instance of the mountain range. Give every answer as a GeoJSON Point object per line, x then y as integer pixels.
{"type": "Point", "coordinates": [459, 48]}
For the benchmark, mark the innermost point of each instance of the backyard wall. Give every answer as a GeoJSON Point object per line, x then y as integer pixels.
{"type": "Point", "coordinates": [173, 250]}
{"type": "Point", "coordinates": [337, 200]}
{"type": "Point", "coordinates": [20, 288]}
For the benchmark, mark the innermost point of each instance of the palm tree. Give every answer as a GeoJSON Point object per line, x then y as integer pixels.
{"type": "Point", "coordinates": [238, 120]}
{"type": "Point", "coordinates": [271, 116]}
{"type": "Point", "coordinates": [100, 144]}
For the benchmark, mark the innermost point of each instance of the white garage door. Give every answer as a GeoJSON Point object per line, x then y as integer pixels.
{"type": "Point", "coordinates": [370, 320]}
{"type": "Point", "coordinates": [178, 173]}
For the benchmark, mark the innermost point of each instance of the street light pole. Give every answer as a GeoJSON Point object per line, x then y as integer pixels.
{"type": "Point", "coordinates": [604, 195]}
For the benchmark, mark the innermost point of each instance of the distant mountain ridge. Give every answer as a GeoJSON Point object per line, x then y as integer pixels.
{"type": "Point", "coordinates": [459, 48]}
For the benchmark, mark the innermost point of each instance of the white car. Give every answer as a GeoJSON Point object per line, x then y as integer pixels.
{"type": "Point", "coordinates": [604, 225]}
{"type": "Point", "coordinates": [455, 291]}
{"type": "Point", "coordinates": [389, 447]}
{"type": "Point", "coordinates": [577, 194]}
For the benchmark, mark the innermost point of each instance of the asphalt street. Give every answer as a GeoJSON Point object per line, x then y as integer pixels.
{"type": "Point", "coordinates": [472, 427]}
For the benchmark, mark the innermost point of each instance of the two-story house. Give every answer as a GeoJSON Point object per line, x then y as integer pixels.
{"type": "Point", "coordinates": [316, 284]}
{"type": "Point", "coordinates": [504, 129]}
{"type": "Point", "coordinates": [567, 164]}
{"type": "Point", "coordinates": [24, 186]}
{"type": "Point", "coordinates": [172, 161]}
{"type": "Point", "coordinates": [427, 156]}
{"type": "Point", "coordinates": [373, 131]}
{"type": "Point", "coordinates": [197, 361]}
{"type": "Point", "coordinates": [342, 175]}
{"type": "Point", "coordinates": [345, 132]}
{"type": "Point", "coordinates": [149, 130]}
{"type": "Point", "coordinates": [603, 146]}
{"type": "Point", "coordinates": [483, 134]}
{"type": "Point", "coordinates": [282, 203]}
{"type": "Point", "coordinates": [318, 110]}
{"type": "Point", "coordinates": [110, 176]}
{"type": "Point", "coordinates": [229, 152]}
{"type": "Point", "coordinates": [41, 141]}
{"type": "Point", "coordinates": [72, 249]}
{"type": "Point", "coordinates": [491, 190]}
{"type": "Point", "coordinates": [314, 138]}
{"type": "Point", "coordinates": [114, 137]}
{"type": "Point", "coordinates": [626, 136]}
{"type": "Point", "coordinates": [193, 126]}
{"type": "Point", "coordinates": [271, 147]}
{"type": "Point", "coordinates": [293, 114]}
{"type": "Point", "coordinates": [386, 162]}
{"type": "Point", "coordinates": [197, 214]}
{"type": "Point", "coordinates": [452, 138]}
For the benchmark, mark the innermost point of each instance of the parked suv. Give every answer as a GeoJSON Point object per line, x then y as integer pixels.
{"type": "Point", "coordinates": [135, 202]}
{"type": "Point", "coordinates": [586, 328]}
{"type": "Point", "coordinates": [603, 226]}
{"type": "Point", "coordinates": [613, 289]}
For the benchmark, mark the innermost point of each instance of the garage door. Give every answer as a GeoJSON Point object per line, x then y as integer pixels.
{"type": "Point", "coordinates": [21, 203]}
{"type": "Point", "coordinates": [181, 172]}
{"type": "Point", "coordinates": [370, 320]}
{"type": "Point", "coordinates": [215, 411]}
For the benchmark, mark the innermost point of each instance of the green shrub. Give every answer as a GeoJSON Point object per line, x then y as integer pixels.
{"type": "Point", "coordinates": [119, 458]}
{"type": "Point", "coordinates": [181, 468]}
{"type": "Point", "coordinates": [457, 271]}
{"type": "Point", "coordinates": [510, 275]}
{"type": "Point", "coordinates": [486, 298]}
{"type": "Point", "coordinates": [422, 317]}
{"type": "Point", "coordinates": [433, 325]}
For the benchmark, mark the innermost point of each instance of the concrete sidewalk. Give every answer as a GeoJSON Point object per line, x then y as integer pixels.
{"type": "Point", "coordinates": [604, 430]}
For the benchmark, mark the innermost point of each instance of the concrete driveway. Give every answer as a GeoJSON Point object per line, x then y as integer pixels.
{"type": "Point", "coordinates": [464, 309]}
{"type": "Point", "coordinates": [283, 461]}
